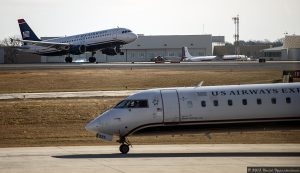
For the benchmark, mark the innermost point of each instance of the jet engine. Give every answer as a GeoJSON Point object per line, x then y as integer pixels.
{"type": "Point", "coordinates": [77, 49]}
{"type": "Point", "coordinates": [109, 51]}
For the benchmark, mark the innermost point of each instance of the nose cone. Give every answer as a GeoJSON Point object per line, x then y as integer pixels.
{"type": "Point", "coordinates": [132, 37]}
{"type": "Point", "coordinates": [93, 126]}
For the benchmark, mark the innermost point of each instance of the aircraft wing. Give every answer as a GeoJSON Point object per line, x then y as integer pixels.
{"type": "Point", "coordinates": [59, 46]}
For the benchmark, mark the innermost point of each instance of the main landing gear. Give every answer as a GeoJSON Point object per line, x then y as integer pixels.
{"type": "Point", "coordinates": [124, 147]}
{"type": "Point", "coordinates": [68, 59]}
{"type": "Point", "coordinates": [92, 59]}
{"type": "Point", "coordinates": [118, 50]}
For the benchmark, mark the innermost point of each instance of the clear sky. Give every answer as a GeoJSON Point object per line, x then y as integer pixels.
{"type": "Point", "coordinates": [259, 19]}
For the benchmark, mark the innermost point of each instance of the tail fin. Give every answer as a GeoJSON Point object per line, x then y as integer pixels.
{"type": "Point", "coordinates": [26, 31]}
{"type": "Point", "coordinates": [185, 53]}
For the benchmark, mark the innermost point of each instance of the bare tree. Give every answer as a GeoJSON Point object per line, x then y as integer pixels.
{"type": "Point", "coordinates": [10, 44]}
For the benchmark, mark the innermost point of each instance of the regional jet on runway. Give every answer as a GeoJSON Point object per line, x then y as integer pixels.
{"type": "Point", "coordinates": [195, 108]}
{"type": "Point", "coordinates": [186, 56]}
{"type": "Point", "coordinates": [108, 41]}
{"type": "Point", "coordinates": [236, 57]}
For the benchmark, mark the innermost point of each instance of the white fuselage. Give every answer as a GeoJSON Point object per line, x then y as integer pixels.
{"type": "Point", "coordinates": [200, 58]}
{"type": "Point", "coordinates": [234, 57]}
{"type": "Point", "coordinates": [93, 40]}
{"type": "Point", "coordinates": [199, 105]}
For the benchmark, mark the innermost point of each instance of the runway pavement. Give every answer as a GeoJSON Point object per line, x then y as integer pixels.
{"type": "Point", "coordinates": [218, 65]}
{"type": "Point", "coordinates": [67, 94]}
{"type": "Point", "coordinates": [230, 158]}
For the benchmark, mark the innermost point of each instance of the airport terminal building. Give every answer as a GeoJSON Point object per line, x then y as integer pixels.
{"type": "Point", "coordinates": [290, 51]}
{"type": "Point", "coordinates": [142, 50]}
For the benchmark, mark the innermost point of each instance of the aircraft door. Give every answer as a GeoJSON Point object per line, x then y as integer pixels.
{"type": "Point", "coordinates": [115, 34]}
{"type": "Point", "coordinates": [82, 39]}
{"type": "Point", "coordinates": [170, 106]}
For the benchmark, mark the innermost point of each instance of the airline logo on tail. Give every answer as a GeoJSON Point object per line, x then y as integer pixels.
{"type": "Point", "coordinates": [26, 34]}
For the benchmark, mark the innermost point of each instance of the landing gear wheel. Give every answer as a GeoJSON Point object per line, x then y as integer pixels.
{"type": "Point", "coordinates": [124, 149]}
{"type": "Point", "coordinates": [68, 59]}
{"type": "Point", "coordinates": [118, 50]}
{"type": "Point", "coordinates": [92, 59]}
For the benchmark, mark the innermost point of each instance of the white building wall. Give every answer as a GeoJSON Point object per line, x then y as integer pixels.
{"type": "Point", "coordinates": [52, 59]}
{"type": "Point", "coordinates": [294, 54]}
{"type": "Point", "coordinates": [284, 55]}
{"type": "Point", "coordinates": [292, 46]}
{"type": "Point", "coordinates": [61, 59]}
{"type": "Point", "coordinates": [145, 55]}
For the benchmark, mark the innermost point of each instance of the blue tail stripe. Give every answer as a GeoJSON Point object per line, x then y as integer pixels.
{"type": "Point", "coordinates": [26, 31]}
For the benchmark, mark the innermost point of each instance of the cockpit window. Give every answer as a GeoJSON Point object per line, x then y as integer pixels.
{"type": "Point", "coordinates": [132, 104]}
{"type": "Point", "coordinates": [122, 104]}
{"type": "Point", "coordinates": [126, 31]}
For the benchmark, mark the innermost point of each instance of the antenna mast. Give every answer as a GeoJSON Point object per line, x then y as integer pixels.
{"type": "Point", "coordinates": [236, 34]}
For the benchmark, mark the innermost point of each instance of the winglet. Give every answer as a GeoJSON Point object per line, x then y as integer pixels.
{"type": "Point", "coordinates": [200, 84]}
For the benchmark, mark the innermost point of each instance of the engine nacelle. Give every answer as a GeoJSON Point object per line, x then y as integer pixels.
{"type": "Point", "coordinates": [77, 49]}
{"type": "Point", "coordinates": [109, 51]}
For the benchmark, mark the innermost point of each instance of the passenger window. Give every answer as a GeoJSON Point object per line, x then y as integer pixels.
{"type": "Point", "coordinates": [258, 101]}
{"type": "Point", "coordinates": [216, 103]}
{"type": "Point", "coordinates": [203, 103]}
{"type": "Point", "coordinates": [273, 100]}
{"type": "Point", "coordinates": [244, 101]}
{"type": "Point", "coordinates": [230, 102]}
{"type": "Point", "coordinates": [288, 100]}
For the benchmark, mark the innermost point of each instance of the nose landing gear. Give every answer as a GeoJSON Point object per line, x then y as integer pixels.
{"type": "Point", "coordinates": [124, 147]}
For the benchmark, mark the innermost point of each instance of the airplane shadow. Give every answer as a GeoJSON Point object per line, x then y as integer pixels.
{"type": "Point", "coordinates": [174, 155]}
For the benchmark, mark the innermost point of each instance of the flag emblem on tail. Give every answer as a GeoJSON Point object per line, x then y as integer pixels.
{"type": "Point", "coordinates": [26, 34]}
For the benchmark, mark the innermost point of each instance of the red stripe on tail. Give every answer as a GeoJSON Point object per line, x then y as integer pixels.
{"type": "Point", "coordinates": [20, 21]}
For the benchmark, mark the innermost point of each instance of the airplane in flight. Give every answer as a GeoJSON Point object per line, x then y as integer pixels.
{"type": "Point", "coordinates": [186, 56]}
{"type": "Point", "coordinates": [194, 108]}
{"type": "Point", "coordinates": [108, 41]}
